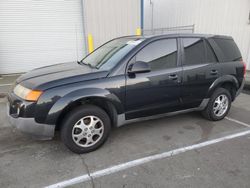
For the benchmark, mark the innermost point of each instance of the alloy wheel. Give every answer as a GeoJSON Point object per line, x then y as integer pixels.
{"type": "Point", "coordinates": [220, 105]}
{"type": "Point", "coordinates": [87, 131]}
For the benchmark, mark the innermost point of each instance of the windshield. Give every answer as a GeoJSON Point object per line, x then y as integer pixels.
{"type": "Point", "coordinates": [108, 55]}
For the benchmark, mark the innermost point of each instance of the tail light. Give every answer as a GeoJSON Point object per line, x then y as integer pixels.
{"type": "Point", "coordinates": [244, 68]}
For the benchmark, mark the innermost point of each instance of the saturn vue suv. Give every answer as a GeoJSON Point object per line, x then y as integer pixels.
{"type": "Point", "coordinates": [128, 79]}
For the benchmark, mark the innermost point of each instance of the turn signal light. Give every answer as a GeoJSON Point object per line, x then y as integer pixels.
{"type": "Point", "coordinates": [33, 95]}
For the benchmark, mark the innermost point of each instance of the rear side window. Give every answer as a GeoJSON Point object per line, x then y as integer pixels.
{"type": "Point", "coordinates": [160, 54]}
{"type": "Point", "coordinates": [229, 49]}
{"type": "Point", "coordinates": [194, 51]}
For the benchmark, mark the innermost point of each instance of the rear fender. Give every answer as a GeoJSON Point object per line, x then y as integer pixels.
{"type": "Point", "coordinates": [222, 80]}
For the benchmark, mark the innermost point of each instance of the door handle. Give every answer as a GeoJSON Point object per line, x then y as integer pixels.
{"type": "Point", "coordinates": [173, 76]}
{"type": "Point", "coordinates": [213, 72]}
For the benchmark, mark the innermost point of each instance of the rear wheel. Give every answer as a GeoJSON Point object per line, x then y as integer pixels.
{"type": "Point", "coordinates": [218, 105]}
{"type": "Point", "coordinates": [85, 129]}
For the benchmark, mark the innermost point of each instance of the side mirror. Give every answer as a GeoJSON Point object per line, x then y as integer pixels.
{"type": "Point", "coordinates": [139, 67]}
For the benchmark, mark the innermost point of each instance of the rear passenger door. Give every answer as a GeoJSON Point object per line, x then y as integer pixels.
{"type": "Point", "coordinates": [200, 70]}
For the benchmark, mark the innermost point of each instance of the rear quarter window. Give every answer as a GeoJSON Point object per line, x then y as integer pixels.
{"type": "Point", "coordinates": [229, 50]}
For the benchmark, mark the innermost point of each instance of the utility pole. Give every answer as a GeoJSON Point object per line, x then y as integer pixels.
{"type": "Point", "coordinates": [152, 15]}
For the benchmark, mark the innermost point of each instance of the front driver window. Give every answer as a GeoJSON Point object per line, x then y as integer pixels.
{"type": "Point", "coordinates": [160, 54]}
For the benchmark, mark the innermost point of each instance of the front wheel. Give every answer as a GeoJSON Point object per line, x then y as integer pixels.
{"type": "Point", "coordinates": [85, 129]}
{"type": "Point", "coordinates": [218, 105]}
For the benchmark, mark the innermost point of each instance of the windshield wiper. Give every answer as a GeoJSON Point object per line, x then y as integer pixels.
{"type": "Point", "coordinates": [82, 63]}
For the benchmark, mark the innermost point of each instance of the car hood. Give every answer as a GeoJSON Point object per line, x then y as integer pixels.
{"type": "Point", "coordinates": [59, 74]}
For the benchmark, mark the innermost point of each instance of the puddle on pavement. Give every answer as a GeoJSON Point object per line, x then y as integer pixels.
{"type": "Point", "coordinates": [189, 127]}
{"type": "Point", "coordinates": [166, 137]}
{"type": "Point", "coordinates": [206, 128]}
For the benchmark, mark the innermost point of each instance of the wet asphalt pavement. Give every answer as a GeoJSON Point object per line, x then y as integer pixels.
{"type": "Point", "coordinates": [25, 162]}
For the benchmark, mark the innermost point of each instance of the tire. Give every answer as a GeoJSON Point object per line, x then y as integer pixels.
{"type": "Point", "coordinates": [78, 134]}
{"type": "Point", "coordinates": [210, 111]}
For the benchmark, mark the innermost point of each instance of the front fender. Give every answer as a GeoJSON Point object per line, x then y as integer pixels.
{"type": "Point", "coordinates": [221, 80]}
{"type": "Point", "coordinates": [73, 96]}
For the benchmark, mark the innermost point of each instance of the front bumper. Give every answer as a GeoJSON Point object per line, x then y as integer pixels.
{"type": "Point", "coordinates": [29, 125]}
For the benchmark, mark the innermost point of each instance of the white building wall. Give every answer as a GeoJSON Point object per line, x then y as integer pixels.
{"type": "Point", "coordinates": [225, 17]}
{"type": "Point", "coordinates": [39, 33]}
{"type": "Point", "coordinates": [36, 33]}
{"type": "Point", "coordinates": [107, 19]}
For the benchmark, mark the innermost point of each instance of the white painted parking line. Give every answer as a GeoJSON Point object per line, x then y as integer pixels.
{"type": "Point", "coordinates": [6, 84]}
{"type": "Point", "coordinates": [237, 121]}
{"type": "Point", "coordinates": [11, 75]}
{"type": "Point", "coordinates": [137, 162]}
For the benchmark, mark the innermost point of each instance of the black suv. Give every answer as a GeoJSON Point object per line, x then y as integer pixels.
{"type": "Point", "coordinates": [125, 80]}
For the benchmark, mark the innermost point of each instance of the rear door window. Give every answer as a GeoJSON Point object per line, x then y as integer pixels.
{"type": "Point", "coordinates": [229, 49]}
{"type": "Point", "coordinates": [210, 55]}
{"type": "Point", "coordinates": [194, 51]}
{"type": "Point", "coordinates": [198, 51]}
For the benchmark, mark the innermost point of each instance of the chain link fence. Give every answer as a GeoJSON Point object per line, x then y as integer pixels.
{"type": "Point", "coordinates": [169, 30]}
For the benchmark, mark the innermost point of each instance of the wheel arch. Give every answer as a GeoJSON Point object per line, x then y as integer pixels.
{"type": "Point", "coordinates": [109, 102]}
{"type": "Point", "coordinates": [228, 82]}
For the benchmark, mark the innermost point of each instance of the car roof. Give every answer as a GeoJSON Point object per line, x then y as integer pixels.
{"type": "Point", "coordinates": [177, 35]}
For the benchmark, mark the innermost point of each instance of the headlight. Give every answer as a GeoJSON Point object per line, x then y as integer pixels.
{"type": "Point", "coordinates": [27, 94]}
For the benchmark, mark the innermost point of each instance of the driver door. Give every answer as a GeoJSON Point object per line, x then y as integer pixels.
{"type": "Point", "coordinates": [157, 91]}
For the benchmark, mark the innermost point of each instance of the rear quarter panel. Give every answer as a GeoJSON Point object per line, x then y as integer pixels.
{"type": "Point", "coordinates": [235, 68]}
